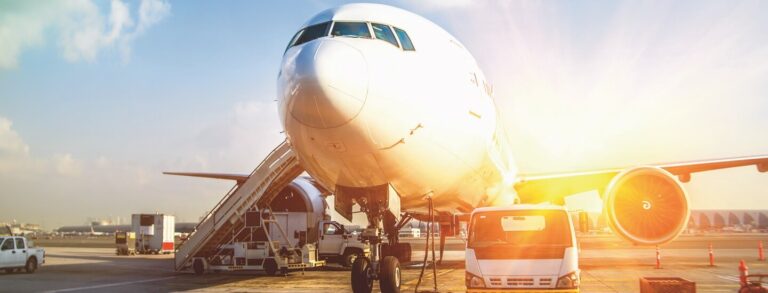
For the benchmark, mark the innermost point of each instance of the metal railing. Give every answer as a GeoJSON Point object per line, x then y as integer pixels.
{"type": "Point", "coordinates": [262, 182]}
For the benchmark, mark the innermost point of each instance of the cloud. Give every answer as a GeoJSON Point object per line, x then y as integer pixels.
{"type": "Point", "coordinates": [14, 152]}
{"type": "Point", "coordinates": [11, 143]}
{"type": "Point", "coordinates": [17, 161]}
{"type": "Point", "coordinates": [82, 29]}
{"type": "Point", "coordinates": [150, 13]}
{"type": "Point", "coordinates": [237, 143]}
{"type": "Point", "coordinates": [67, 166]}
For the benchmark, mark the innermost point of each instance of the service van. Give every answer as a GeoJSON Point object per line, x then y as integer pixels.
{"type": "Point", "coordinates": [528, 247]}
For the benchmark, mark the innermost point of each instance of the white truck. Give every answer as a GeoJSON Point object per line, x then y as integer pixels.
{"type": "Point", "coordinates": [154, 233]}
{"type": "Point", "coordinates": [292, 232]}
{"type": "Point", "coordinates": [291, 243]}
{"type": "Point", "coordinates": [16, 253]}
{"type": "Point", "coordinates": [336, 243]}
{"type": "Point", "coordinates": [521, 247]}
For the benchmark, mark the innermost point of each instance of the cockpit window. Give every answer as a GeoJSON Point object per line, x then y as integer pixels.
{"type": "Point", "coordinates": [383, 32]}
{"type": "Point", "coordinates": [351, 29]}
{"type": "Point", "coordinates": [310, 33]}
{"type": "Point", "coordinates": [405, 41]}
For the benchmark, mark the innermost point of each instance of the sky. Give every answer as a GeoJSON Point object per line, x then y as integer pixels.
{"type": "Point", "coordinates": [97, 98]}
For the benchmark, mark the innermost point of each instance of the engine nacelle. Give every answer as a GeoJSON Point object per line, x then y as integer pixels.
{"type": "Point", "coordinates": [646, 206]}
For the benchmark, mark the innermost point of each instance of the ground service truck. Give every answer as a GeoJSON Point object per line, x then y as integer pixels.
{"type": "Point", "coordinates": [294, 232]}
{"type": "Point", "coordinates": [17, 253]}
{"type": "Point", "coordinates": [522, 247]}
{"type": "Point", "coordinates": [154, 233]}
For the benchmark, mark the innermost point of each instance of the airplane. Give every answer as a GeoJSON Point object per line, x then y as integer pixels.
{"type": "Point", "coordinates": [95, 233]}
{"type": "Point", "coordinates": [388, 111]}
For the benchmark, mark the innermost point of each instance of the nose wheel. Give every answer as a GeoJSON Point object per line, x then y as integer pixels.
{"type": "Point", "coordinates": [362, 275]}
{"type": "Point", "coordinates": [389, 276]}
{"type": "Point", "coordinates": [389, 279]}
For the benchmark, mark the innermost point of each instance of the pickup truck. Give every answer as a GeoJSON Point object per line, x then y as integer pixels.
{"type": "Point", "coordinates": [18, 253]}
{"type": "Point", "coordinates": [336, 243]}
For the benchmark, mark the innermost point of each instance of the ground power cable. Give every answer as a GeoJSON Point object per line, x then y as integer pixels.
{"type": "Point", "coordinates": [430, 233]}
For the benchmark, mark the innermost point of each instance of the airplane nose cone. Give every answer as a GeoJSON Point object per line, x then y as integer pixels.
{"type": "Point", "coordinates": [331, 84]}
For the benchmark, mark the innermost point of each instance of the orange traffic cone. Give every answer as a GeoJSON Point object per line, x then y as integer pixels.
{"type": "Point", "coordinates": [743, 273]}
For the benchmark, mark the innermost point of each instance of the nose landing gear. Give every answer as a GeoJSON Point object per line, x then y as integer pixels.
{"type": "Point", "coordinates": [381, 205]}
{"type": "Point", "coordinates": [381, 266]}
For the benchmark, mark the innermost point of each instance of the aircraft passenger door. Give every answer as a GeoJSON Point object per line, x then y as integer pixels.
{"type": "Point", "coordinates": [331, 239]}
{"type": "Point", "coordinates": [6, 253]}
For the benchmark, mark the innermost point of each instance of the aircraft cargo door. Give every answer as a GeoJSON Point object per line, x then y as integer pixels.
{"type": "Point", "coordinates": [274, 232]}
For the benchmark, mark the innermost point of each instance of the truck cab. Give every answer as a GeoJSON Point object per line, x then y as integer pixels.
{"type": "Point", "coordinates": [16, 253]}
{"type": "Point", "coordinates": [336, 243]}
{"type": "Point", "coordinates": [521, 247]}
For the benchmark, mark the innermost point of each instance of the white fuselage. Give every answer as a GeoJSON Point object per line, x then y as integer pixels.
{"type": "Point", "coordinates": [361, 112]}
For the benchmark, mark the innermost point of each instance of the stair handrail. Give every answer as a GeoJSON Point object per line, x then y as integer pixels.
{"type": "Point", "coordinates": [233, 190]}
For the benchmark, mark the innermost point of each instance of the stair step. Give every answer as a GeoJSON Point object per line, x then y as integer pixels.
{"type": "Point", "coordinates": [277, 170]}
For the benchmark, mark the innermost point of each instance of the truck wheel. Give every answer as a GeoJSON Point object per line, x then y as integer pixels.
{"type": "Point", "coordinates": [389, 275]}
{"type": "Point", "coordinates": [270, 267]}
{"type": "Point", "coordinates": [348, 259]}
{"type": "Point", "coordinates": [31, 265]}
{"type": "Point", "coordinates": [361, 276]}
{"type": "Point", "coordinates": [198, 267]}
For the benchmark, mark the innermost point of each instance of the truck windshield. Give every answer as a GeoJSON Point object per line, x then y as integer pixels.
{"type": "Point", "coordinates": [520, 228]}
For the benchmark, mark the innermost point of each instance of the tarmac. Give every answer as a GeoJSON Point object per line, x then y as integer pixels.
{"type": "Point", "coordinates": [607, 265]}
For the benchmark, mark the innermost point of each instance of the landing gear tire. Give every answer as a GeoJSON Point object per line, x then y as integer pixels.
{"type": "Point", "coordinates": [270, 267]}
{"type": "Point", "coordinates": [389, 278]}
{"type": "Point", "coordinates": [361, 275]}
{"type": "Point", "coordinates": [31, 266]}
{"type": "Point", "coordinates": [198, 267]}
{"type": "Point", "coordinates": [349, 257]}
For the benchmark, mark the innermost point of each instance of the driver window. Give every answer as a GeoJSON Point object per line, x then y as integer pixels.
{"type": "Point", "coordinates": [328, 229]}
{"type": "Point", "coordinates": [338, 230]}
{"type": "Point", "coordinates": [332, 229]}
{"type": "Point", "coordinates": [7, 245]}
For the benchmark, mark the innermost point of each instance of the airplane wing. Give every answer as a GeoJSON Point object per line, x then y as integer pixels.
{"type": "Point", "coordinates": [555, 187]}
{"type": "Point", "coordinates": [240, 178]}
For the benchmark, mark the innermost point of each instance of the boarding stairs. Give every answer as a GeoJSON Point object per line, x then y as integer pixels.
{"type": "Point", "coordinates": [277, 170]}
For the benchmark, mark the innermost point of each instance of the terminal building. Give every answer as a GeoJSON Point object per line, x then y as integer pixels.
{"type": "Point", "coordinates": [699, 221]}
{"type": "Point", "coordinates": [110, 229]}
{"type": "Point", "coordinates": [734, 220]}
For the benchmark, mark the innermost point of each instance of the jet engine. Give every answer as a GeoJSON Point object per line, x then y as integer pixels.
{"type": "Point", "coordinates": [646, 206]}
